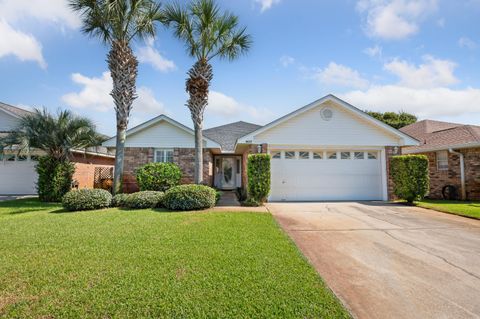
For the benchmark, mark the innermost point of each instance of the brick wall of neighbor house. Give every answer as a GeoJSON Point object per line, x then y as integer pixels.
{"type": "Point", "coordinates": [440, 178]}
{"type": "Point", "coordinates": [183, 157]}
{"type": "Point", "coordinates": [252, 149]}
{"type": "Point", "coordinates": [389, 152]}
{"type": "Point", "coordinates": [85, 168]}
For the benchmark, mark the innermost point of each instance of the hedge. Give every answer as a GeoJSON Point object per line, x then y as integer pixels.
{"type": "Point", "coordinates": [120, 200]}
{"type": "Point", "coordinates": [410, 176]}
{"type": "Point", "coordinates": [143, 200]}
{"type": "Point", "coordinates": [54, 178]}
{"type": "Point", "coordinates": [86, 199]}
{"type": "Point", "coordinates": [189, 197]}
{"type": "Point", "coordinates": [258, 170]}
{"type": "Point", "coordinates": [158, 176]}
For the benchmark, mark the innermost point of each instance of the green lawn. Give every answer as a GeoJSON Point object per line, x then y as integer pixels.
{"type": "Point", "coordinates": [469, 209]}
{"type": "Point", "coordinates": [118, 263]}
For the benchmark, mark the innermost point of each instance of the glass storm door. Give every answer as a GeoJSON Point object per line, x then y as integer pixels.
{"type": "Point", "coordinates": [228, 172]}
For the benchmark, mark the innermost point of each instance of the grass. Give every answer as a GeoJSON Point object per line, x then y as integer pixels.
{"type": "Point", "coordinates": [147, 263]}
{"type": "Point", "coordinates": [468, 209]}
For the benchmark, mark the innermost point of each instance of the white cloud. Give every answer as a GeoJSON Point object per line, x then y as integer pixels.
{"type": "Point", "coordinates": [432, 73]}
{"type": "Point", "coordinates": [394, 19]}
{"type": "Point", "coordinates": [286, 61]}
{"type": "Point", "coordinates": [465, 42]}
{"type": "Point", "coordinates": [373, 52]}
{"type": "Point", "coordinates": [267, 4]}
{"type": "Point", "coordinates": [21, 45]}
{"type": "Point", "coordinates": [337, 74]}
{"type": "Point", "coordinates": [227, 107]}
{"type": "Point", "coordinates": [95, 96]}
{"type": "Point", "coordinates": [148, 54]}
{"type": "Point", "coordinates": [425, 103]}
{"type": "Point", "coordinates": [441, 23]}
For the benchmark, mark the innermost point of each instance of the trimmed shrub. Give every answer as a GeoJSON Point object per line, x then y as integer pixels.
{"type": "Point", "coordinates": [258, 170]}
{"type": "Point", "coordinates": [218, 195]}
{"type": "Point", "coordinates": [86, 199]}
{"type": "Point", "coordinates": [143, 200]}
{"type": "Point", "coordinates": [189, 197]}
{"type": "Point", "coordinates": [251, 203]}
{"type": "Point", "coordinates": [120, 200]}
{"type": "Point", "coordinates": [158, 176]}
{"type": "Point", "coordinates": [54, 178]}
{"type": "Point", "coordinates": [410, 176]}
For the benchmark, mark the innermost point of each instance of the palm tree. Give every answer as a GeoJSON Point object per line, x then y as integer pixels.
{"type": "Point", "coordinates": [207, 33]}
{"type": "Point", "coordinates": [56, 135]}
{"type": "Point", "coordinates": [117, 23]}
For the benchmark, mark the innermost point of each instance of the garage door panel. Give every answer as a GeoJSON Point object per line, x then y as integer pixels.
{"type": "Point", "coordinates": [325, 179]}
{"type": "Point", "coordinates": [18, 178]}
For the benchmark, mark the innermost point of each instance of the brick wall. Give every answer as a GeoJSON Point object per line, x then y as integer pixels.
{"type": "Point", "coordinates": [85, 168]}
{"type": "Point", "coordinates": [440, 178]}
{"type": "Point", "coordinates": [183, 157]}
{"type": "Point", "coordinates": [389, 152]}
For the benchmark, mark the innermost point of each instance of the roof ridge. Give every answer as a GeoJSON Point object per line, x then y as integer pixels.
{"type": "Point", "coordinates": [470, 127]}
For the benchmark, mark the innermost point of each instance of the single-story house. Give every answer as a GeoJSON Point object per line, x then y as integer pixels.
{"type": "Point", "coordinates": [326, 150]}
{"type": "Point", "coordinates": [17, 171]}
{"type": "Point", "coordinates": [453, 151]}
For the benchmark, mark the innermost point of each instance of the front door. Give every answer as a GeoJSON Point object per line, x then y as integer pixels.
{"type": "Point", "coordinates": [228, 177]}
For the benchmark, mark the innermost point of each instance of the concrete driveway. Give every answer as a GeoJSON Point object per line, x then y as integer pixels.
{"type": "Point", "coordinates": [389, 261]}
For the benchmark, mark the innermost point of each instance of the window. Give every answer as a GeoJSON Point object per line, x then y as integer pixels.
{"type": "Point", "coordinates": [332, 155]}
{"type": "Point", "coordinates": [372, 155]}
{"type": "Point", "coordinates": [289, 155]}
{"type": "Point", "coordinates": [10, 157]}
{"type": "Point", "coordinates": [442, 161]}
{"type": "Point", "coordinates": [238, 166]}
{"type": "Point", "coordinates": [163, 155]}
{"type": "Point", "coordinates": [22, 158]}
{"type": "Point", "coordinates": [304, 155]}
{"type": "Point", "coordinates": [277, 155]}
{"type": "Point", "coordinates": [317, 155]}
{"type": "Point", "coordinates": [359, 155]}
{"type": "Point", "coordinates": [345, 155]}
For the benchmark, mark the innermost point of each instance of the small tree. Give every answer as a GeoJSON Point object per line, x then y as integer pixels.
{"type": "Point", "coordinates": [258, 170]}
{"type": "Point", "coordinates": [396, 120]}
{"type": "Point", "coordinates": [158, 176]}
{"type": "Point", "coordinates": [410, 176]}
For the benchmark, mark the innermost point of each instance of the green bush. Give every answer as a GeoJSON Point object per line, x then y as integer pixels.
{"type": "Point", "coordinates": [251, 203]}
{"type": "Point", "coordinates": [258, 170]}
{"type": "Point", "coordinates": [218, 195]}
{"type": "Point", "coordinates": [143, 200]}
{"type": "Point", "coordinates": [120, 200]}
{"type": "Point", "coordinates": [410, 176]}
{"type": "Point", "coordinates": [54, 178]}
{"type": "Point", "coordinates": [189, 197]}
{"type": "Point", "coordinates": [158, 176]}
{"type": "Point", "coordinates": [86, 199]}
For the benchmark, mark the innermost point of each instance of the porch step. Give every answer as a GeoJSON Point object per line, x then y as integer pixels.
{"type": "Point", "coordinates": [228, 198]}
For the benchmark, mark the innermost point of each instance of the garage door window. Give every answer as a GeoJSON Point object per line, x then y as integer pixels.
{"type": "Point", "coordinates": [22, 158]}
{"type": "Point", "coordinates": [372, 155]}
{"type": "Point", "coordinates": [359, 155]}
{"type": "Point", "coordinates": [10, 158]}
{"type": "Point", "coordinates": [304, 155]}
{"type": "Point", "coordinates": [332, 155]}
{"type": "Point", "coordinates": [317, 155]}
{"type": "Point", "coordinates": [345, 155]}
{"type": "Point", "coordinates": [289, 155]}
{"type": "Point", "coordinates": [277, 155]}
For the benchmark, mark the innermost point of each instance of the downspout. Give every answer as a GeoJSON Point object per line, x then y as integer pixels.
{"type": "Point", "coordinates": [462, 172]}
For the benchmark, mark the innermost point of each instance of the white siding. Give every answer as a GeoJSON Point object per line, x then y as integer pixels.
{"type": "Point", "coordinates": [344, 129]}
{"type": "Point", "coordinates": [7, 122]}
{"type": "Point", "coordinates": [162, 134]}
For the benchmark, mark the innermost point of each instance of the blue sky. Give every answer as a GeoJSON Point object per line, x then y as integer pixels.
{"type": "Point", "coordinates": [420, 56]}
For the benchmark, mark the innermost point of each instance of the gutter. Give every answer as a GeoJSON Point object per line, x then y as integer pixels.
{"type": "Point", "coordinates": [440, 148]}
{"type": "Point", "coordinates": [462, 172]}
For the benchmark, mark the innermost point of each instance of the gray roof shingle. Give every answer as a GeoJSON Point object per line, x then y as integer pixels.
{"type": "Point", "coordinates": [227, 135]}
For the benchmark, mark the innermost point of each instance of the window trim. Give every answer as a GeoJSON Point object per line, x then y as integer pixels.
{"type": "Point", "coordinates": [438, 161]}
{"type": "Point", "coordinates": [164, 157]}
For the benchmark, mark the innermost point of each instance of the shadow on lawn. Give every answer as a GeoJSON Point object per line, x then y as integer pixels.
{"type": "Point", "coordinates": [26, 205]}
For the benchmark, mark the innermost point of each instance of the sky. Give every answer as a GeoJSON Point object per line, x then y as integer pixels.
{"type": "Point", "coordinates": [418, 56]}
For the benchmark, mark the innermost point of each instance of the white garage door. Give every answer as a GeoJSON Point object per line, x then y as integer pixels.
{"type": "Point", "coordinates": [17, 175]}
{"type": "Point", "coordinates": [326, 175]}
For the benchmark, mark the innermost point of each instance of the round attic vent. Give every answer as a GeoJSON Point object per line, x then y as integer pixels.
{"type": "Point", "coordinates": [326, 113]}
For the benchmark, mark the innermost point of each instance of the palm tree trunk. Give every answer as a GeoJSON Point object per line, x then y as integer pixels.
{"type": "Point", "coordinates": [197, 87]}
{"type": "Point", "coordinates": [124, 69]}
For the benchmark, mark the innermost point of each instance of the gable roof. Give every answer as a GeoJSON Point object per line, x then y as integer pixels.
{"type": "Point", "coordinates": [407, 140]}
{"type": "Point", "coordinates": [155, 120]}
{"type": "Point", "coordinates": [436, 135]}
{"type": "Point", "coordinates": [13, 110]}
{"type": "Point", "coordinates": [227, 135]}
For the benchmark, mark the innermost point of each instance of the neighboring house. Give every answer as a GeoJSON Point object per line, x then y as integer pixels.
{"type": "Point", "coordinates": [17, 171]}
{"type": "Point", "coordinates": [327, 150]}
{"type": "Point", "coordinates": [453, 151]}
